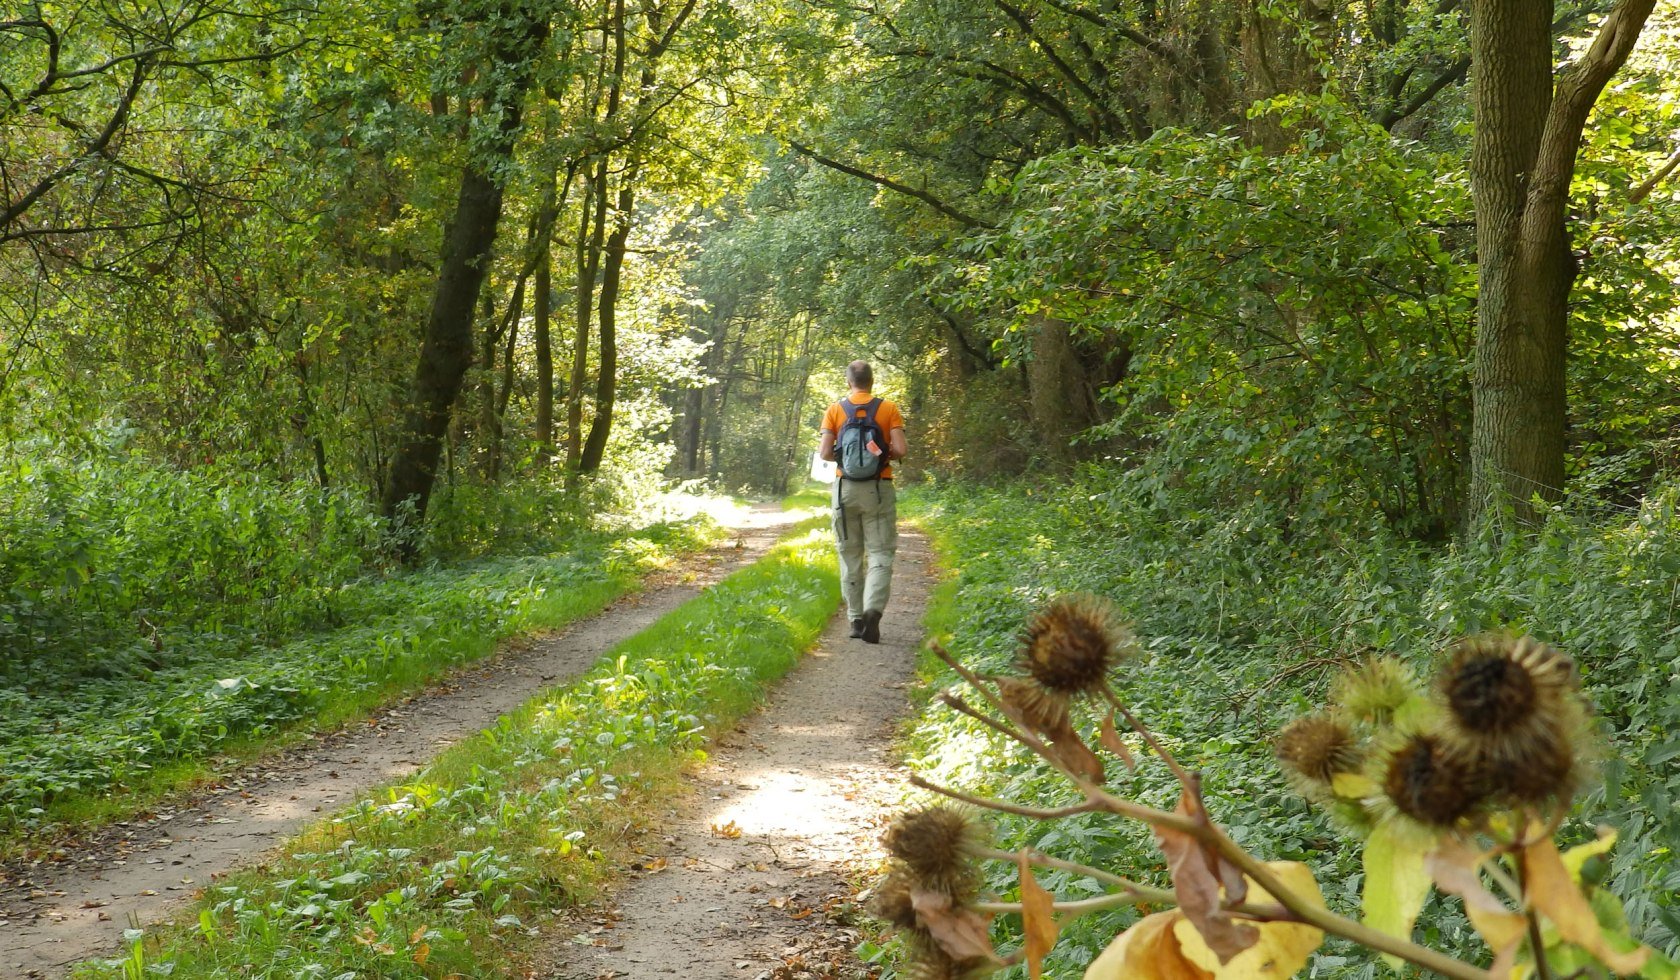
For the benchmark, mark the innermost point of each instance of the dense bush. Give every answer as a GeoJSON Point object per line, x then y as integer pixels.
{"type": "Point", "coordinates": [1244, 620]}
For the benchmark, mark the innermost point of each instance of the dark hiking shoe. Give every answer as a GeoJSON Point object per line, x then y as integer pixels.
{"type": "Point", "coordinates": [871, 626]}
{"type": "Point", "coordinates": [857, 629]}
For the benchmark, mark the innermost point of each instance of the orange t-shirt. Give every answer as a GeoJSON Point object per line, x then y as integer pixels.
{"type": "Point", "coordinates": [887, 416]}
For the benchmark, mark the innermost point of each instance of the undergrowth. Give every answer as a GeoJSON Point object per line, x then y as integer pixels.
{"type": "Point", "coordinates": [1245, 618]}
{"type": "Point", "coordinates": [154, 617]}
{"type": "Point", "coordinates": [447, 873]}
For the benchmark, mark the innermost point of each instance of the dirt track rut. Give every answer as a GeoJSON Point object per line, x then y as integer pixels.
{"type": "Point", "coordinates": [72, 906]}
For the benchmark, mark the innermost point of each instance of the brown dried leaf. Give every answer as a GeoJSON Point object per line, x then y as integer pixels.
{"type": "Point", "coordinates": [1198, 886]}
{"type": "Point", "coordinates": [960, 932]}
{"type": "Point", "coordinates": [1110, 739]}
{"type": "Point", "coordinates": [1454, 868]}
{"type": "Point", "coordinates": [1283, 947]}
{"type": "Point", "coordinates": [1038, 920]}
{"type": "Point", "coordinates": [1047, 718]}
{"type": "Point", "coordinates": [1550, 889]}
{"type": "Point", "coordinates": [1146, 951]}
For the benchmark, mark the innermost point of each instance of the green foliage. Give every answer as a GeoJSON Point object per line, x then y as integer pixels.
{"type": "Point", "coordinates": [1247, 618]}
{"type": "Point", "coordinates": [1297, 321]}
{"type": "Point", "coordinates": [155, 616]}
{"type": "Point", "coordinates": [444, 873]}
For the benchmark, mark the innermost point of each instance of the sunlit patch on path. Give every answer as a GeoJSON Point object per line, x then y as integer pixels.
{"type": "Point", "coordinates": [749, 877]}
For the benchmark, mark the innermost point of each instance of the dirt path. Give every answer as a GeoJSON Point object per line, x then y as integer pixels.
{"type": "Point", "coordinates": [744, 880]}
{"type": "Point", "coordinates": [74, 904]}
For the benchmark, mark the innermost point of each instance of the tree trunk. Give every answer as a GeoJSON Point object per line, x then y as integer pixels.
{"type": "Point", "coordinates": [1058, 388]}
{"type": "Point", "coordinates": [590, 235]}
{"type": "Point", "coordinates": [606, 378]}
{"type": "Point", "coordinates": [446, 350]}
{"type": "Point", "coordinates": [1527, 137]}
{"type": "Point", "coordinates": [542, 314]}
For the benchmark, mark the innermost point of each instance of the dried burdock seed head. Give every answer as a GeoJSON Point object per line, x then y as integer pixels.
{"type": "Point", "coordinates": [1514, 706]}
{"type": "Point", "coordinates": [1375, 690]}
{"type": "Point", "coordinates": [936, 846]}
{"type": "Point", "coordinates": [1496, 685]}
{"type": "Point", "coordinates": [892, 904]}
{"type": "Point", "coordinates": [1533, 770]}
{"type": "Point", "coordinates": [1071, 645]}
{"type": "Point", "coordinates": [1429, 782]}
{"type": "Point", "coordinates": [1044, 712]}
{"type": "Point", "coordinates": [1316, 748]}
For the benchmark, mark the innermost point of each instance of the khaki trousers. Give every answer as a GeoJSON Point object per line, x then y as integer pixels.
{"type": "Point", "coordinates": [866, 536]}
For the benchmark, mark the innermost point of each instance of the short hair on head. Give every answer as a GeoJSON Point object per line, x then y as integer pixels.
{"type": "Point", "coordinates": [860, 375]}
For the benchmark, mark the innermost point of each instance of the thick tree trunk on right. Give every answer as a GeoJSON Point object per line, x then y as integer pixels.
{"type": "Point", "coordinates": [1528, 132]}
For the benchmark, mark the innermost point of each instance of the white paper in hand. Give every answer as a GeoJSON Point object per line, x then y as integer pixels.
{"type": "Point", "coordinates": [822, 471]}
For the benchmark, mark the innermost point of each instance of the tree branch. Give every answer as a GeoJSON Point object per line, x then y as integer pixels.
{"type": "Point", "coordinates": [1649, 184]}
{"type": "Point", "coordinates": [893, 185]}
{"type": "Point", "coordinates": [1451, 76]}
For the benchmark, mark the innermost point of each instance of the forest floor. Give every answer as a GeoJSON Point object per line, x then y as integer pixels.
{"type": "Point", "coordinates": [73, 901]}
{"type": "Point", "coordinates": [750, 877]}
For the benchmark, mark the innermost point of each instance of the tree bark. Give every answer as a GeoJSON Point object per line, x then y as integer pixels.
{"type": "Point", "coordinates": [606, 378]}
{"type": "Point", "coordinates": [446, 350]}
{"type": "Point", "coordinates": [1523, 156]}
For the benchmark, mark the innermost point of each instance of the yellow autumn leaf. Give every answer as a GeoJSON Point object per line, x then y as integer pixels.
{"type": "Point", "coordinates": [1038, 919]}
{"type": "Point", "coordinates": [1147, 951]}
{"type": "Point", "coordinates": [1552, 891]}
{"type": "Point", "coordinates": [1577, 855]}
{"type": "Point", "coordinates": [1353, 785]}
{"type": "Point", "coordinates": [1283, 947]}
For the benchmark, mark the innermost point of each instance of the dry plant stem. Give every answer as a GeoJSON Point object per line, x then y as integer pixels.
{"type": "Point", "coordinates": [1002, 806]}
{"type": "Point", "coordinates": [1042, 860]}
{"type": "Point", "coordinates": [1081, 907]}
{"type": "Point", "coordinates": [1542, 968]}
{"type": "Point", "coordinates": [956, 703]}
{"type": "Point", "coordinates": [1317, 915]}
{"type": "Point", "coordinates": [1149, 737]}
{"type": "Point", "coordinates": [974, 680]}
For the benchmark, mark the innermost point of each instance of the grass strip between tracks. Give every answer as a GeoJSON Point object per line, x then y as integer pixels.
{"type": "Point", "coordinates": [452, 873]}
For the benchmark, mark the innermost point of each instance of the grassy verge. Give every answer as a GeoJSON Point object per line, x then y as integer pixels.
{"type": "Point", "coordinates": [449, 873]}
{"type": "Point", "coordinates": [1244, 622]}
{"type": "Point", "coordinates": [100, 750]}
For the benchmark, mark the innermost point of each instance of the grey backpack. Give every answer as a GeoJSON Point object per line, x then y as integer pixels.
{"type": "Point", "coordinates": [851, 446]}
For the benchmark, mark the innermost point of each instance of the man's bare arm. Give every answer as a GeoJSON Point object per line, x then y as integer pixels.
{"type": "Point", "coordinates": [896, 446]}
{"type": "Point", "coordinates": [826, 450]}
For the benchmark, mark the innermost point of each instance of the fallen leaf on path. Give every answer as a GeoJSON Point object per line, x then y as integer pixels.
{"type": "Point", "coordinates": [728, 830]}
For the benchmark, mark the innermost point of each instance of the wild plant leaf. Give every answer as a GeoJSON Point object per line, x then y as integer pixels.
{"type": "Point", "coordinates": [960, 932]}
{"type": "Point", "coordinates": [1551, 890]}
{"type": "Point", "coordinates": [1396, 883]}
{"type": "Point", "coordinates": [1282, 948]}
{"type": "Point", "coordinates": [1038, 920]}
{"type": "Point", "coordinates": [1454, 867]}
{"type": "Point", "coordinates": [1198, 883]}
{"type": "Point", "coordinates": [1148, 950]}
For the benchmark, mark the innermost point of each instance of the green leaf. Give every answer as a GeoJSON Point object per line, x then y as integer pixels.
{"type": "Point", "coordinates": [1396, 883]}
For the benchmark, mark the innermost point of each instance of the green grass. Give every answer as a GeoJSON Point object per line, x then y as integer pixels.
{"type": "Point", "coordinates": [76, 754]}
{"type": "Point", "coordinates": [446, 873]}
{"type": "Point", "coordinates": [811, 496]}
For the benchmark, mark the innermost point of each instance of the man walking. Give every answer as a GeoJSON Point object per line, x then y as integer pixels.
{"type": "Point", "coordinates": [863, 434]}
